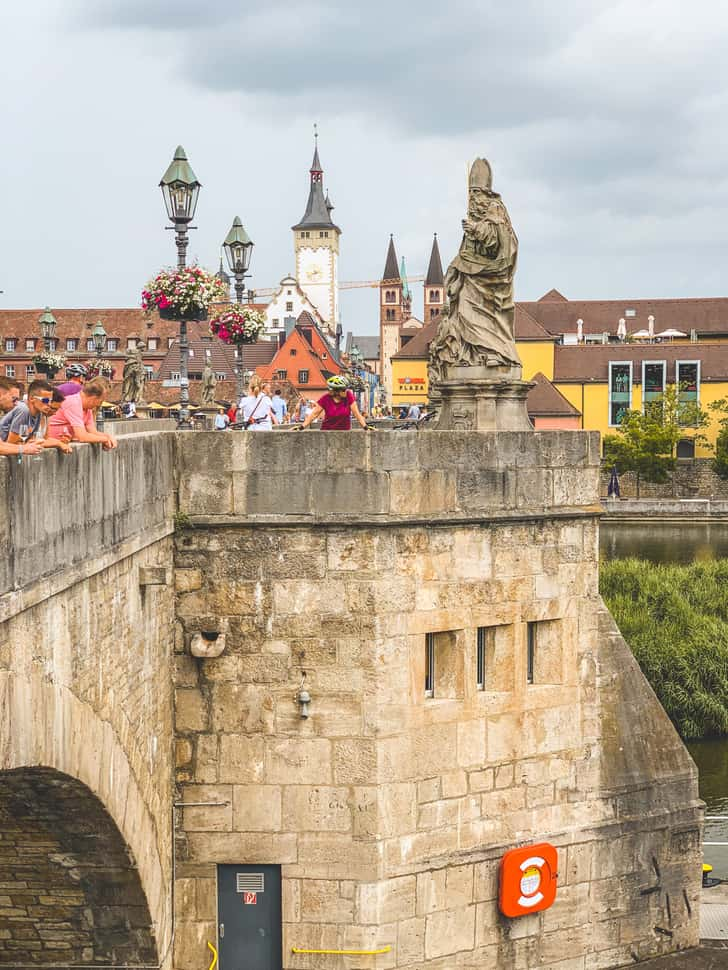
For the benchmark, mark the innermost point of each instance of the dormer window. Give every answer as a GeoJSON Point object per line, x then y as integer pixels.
{"type": "Point", "coordinates": [9, 344]}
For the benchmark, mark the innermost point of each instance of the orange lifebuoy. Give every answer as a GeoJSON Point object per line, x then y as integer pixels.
{"type": "Point", "coordinates": [528, 879]}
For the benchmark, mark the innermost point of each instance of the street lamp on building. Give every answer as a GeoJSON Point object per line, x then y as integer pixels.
{"type": "Point", "coordinates": [180, 189]}
{"type": "Point", "coordinates": [238, 248]}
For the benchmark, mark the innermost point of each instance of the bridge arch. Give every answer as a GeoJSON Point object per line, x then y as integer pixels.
{"type": "Point", "coordinates": [70, 880]}
{"type": "Point", "coordinates": [56, 750]}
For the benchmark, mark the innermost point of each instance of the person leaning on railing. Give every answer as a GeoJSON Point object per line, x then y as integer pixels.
{"type": "Point", "coordinates": [10, 391]}
{"type": "Point", "coordinates": [28, 420]}
{"type": "Point", "coordinates": [75, 418]}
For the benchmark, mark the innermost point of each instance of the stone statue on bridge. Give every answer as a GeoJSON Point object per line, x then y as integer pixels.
{"type": "Point", "coordinates": [477, 329]}
{"type": "Point", "coordinates": [474, 368]}
{"type": "Point", "coordinates": [209, 382]}
{"type": "Point", "coordinates": [134, 376]}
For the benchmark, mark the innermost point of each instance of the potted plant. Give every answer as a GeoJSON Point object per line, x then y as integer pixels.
{"type": "Point", "coordinates": [237, 324]}
{"type": "Point", "coordinates": [183, 294]}
{"type": "Point", "coordinates": [48, 362]}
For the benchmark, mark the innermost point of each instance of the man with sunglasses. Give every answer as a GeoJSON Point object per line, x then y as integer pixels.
{"type": "Point", "coordinates": [9, 397]}
{"type": "Point", "coordinates": [26, 423]}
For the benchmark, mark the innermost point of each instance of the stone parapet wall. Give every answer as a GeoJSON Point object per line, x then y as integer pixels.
{"type": "Point", "coordinates": [435, 475]}
{"type": "Point", "coordinates": [58, 511]}
{"type": "Point", "coordinates": [692, 478]}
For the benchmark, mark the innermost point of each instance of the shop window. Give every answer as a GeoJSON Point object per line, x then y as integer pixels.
{"type": "Point", "coordinates": [620, 391]}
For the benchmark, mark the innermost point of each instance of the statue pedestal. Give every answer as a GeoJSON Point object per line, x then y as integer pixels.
{"type": "Point", "coordinates": [483, 399]}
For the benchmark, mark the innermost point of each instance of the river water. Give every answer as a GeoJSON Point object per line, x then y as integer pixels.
{"type": "Point", "coordinates": [664, 543]}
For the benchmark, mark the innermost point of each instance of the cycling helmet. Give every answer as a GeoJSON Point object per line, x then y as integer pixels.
{"type": "Point", "coordinates": [76, 370]}
{"type": "Point", "coordinates": [337, 383]}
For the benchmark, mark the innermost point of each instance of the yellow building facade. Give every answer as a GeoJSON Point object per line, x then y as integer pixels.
{"type": "Point", "coordinates": [587, 375]}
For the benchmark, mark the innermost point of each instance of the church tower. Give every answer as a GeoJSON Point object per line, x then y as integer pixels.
{"type": "Point", "coordinates": [434, 285]}
{"type": "Point", "coordinates": [391, 317]}
{"type": "Point", "coordinates": [316, 248]}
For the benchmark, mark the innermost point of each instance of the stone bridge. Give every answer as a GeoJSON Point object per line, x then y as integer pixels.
{"type": "Point", "coordinates": [347, 560]}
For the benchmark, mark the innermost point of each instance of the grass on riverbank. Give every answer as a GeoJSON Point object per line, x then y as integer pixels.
{"type": "Point", "coordinates": [675, 619]}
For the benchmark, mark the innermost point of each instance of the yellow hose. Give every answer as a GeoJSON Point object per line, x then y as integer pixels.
{"type": "Point", "coordinates": [214, 956]}
{"type": "Point", "coordinates": [386, 949]}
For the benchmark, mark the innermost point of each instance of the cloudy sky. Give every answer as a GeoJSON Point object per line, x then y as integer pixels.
{"type": "Point", "coordinates": [605, 123]}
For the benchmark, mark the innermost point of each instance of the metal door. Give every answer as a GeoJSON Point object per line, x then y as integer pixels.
{"type": "Point", "coordinates": [249, 917]}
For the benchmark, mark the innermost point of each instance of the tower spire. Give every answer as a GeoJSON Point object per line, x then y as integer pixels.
{"type": "Point", "coordinates": [391, 271]}
{"type": "Point", "coordinates": [435, 275]}
{"type": "Point", "coordinates": [318, 213]}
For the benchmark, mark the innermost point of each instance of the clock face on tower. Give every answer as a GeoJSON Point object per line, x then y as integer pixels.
{"type": "Point", "coordinates": [313, 266]}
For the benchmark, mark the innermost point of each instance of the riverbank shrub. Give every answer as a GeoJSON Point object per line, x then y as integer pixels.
{"type": "Point", "coordinates": [675, 619]}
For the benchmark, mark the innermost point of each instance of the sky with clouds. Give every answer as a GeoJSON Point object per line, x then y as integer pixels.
{"type": "Point", "coordinates": [604, 121]}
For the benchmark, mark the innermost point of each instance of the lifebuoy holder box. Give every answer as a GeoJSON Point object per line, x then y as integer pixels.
{"type": "Point", "coordinates": [528, 880]}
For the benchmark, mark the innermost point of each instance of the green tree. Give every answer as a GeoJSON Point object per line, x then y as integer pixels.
{"type": "Point", "coordinates": [720, 460]}
{"type": "Point", "coordinates": [647, 440]}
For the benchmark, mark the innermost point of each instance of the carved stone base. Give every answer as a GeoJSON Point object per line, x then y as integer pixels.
{"type": "Point", "coordinates": [484, 399]}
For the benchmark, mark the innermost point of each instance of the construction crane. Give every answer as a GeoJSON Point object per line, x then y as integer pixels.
{"type": "Point", "coordinates": [346, 285]}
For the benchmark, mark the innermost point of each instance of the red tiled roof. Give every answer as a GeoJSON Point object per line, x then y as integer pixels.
{"type": "Point", "coordinates": [591, 362]}
{"type": "Point", "coordinates": [419, 345]}
{"type": "Point", "coordinates": [526, 327]}
{"type": "Point", "coordinates": [203, 346]}
{"type": "Point", "coordinates": [544, 400]}
{"type": "Point", "coordinates": [706, 315]}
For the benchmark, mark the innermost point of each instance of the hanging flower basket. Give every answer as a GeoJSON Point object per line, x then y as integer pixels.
{"type": "Point", "coordinates": [183, 294]}
{"type": "Point", "coordinates": [95, 368]}
{"type": "Point", "coordinates": [48, 362]}
{"type": "Point", "coordinates": [238, 325]}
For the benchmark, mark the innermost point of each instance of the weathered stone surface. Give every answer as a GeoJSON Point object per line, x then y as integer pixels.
{"type": "Point", "coordinates": [387, 810]}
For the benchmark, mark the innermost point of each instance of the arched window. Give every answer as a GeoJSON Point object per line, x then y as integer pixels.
{"type": "Point", "coordinates": [434, 296]}
{"type": "Point", "coordinates": [390, 296]}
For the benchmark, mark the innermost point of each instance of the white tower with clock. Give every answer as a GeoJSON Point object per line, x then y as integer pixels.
{"type": "Point", "coordinates": [316, 247]}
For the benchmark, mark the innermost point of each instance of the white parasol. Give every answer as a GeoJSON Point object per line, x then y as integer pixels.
{"type": "Point", "coordinates": [641, 335]}
{"type": "Point", "coordinates": [672, 333]}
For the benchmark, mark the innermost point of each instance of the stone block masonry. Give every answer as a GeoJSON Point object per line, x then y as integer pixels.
{"type": "Point", "coordinates": [469, 693]}
{"type": "Point", "coordinates": [379, 566]}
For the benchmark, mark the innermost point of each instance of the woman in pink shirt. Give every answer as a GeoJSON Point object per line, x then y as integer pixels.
{"type": "Point", "coordinates": [337, 406]}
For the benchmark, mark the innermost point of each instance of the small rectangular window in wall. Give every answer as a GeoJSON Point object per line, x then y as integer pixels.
{"type": "Point", "coordinates": [620, 391]}
{"type": "Point", "coordinates": [429, 665]}
{"type": "Point", "coordinates": [653, 381]}
{"type": "Point", "coordinates": [531, 653]}
{"type": "Point", "coordinates": [544, 652]}
{"type": "Point", "coordinates": [444, 666]}
{"type": "Point", "coordinates": [484, 647]}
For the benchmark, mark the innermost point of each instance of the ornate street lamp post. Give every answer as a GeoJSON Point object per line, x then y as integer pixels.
{"type": "Point", "coordinates": [238, 248]}
{"type": "Point", "coordinates": [98, 335]}
{"type": "Point", "coordinates": [47, 324]}
{"type": "Point", "coordinates": [180, 189]}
